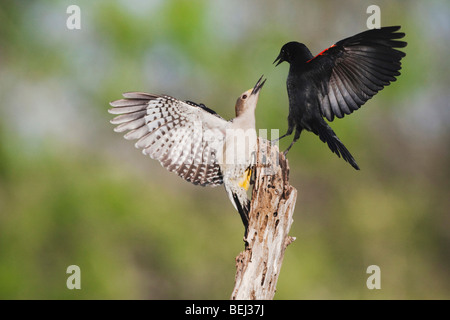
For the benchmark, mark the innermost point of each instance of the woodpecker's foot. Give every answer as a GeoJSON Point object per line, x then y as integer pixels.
{"type": "Point", "coordinates": [253, 175]}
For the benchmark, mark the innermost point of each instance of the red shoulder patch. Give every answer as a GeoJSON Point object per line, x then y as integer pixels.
{"type": "Point", "coordinates": [323, 52]}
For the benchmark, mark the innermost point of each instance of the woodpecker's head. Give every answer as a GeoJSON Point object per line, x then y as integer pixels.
{"type": "Point", "coordinates": [293, 51]}
{"type": "Point", "coordinates": [249, 98]}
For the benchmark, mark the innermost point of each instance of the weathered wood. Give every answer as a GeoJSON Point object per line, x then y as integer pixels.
{"type": "Point", "coordinates": [270, 219]}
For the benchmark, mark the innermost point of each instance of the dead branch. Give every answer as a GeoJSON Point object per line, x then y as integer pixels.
{"type": "Point", "coordinates": [270, 219]}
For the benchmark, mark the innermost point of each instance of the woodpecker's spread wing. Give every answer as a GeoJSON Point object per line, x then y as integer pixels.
{"type": "Point", "coordinates": [182, 136]}
{"type": "Point", "coordinates": [356, 68]}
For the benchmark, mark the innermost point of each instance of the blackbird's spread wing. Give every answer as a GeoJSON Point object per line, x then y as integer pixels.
{"type": "Point", "coordinates": [174, 132]}
{"type": "Point", "coordinates": [356, 68]}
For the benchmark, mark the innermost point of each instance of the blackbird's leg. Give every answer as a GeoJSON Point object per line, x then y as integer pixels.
{"type": "Point", "coordinates": [296, 137]}
{"type": "Point", "coordinates": [288, 133]}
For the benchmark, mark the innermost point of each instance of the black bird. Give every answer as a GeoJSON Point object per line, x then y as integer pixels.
{"type": "Point", "coordinates": [338, 81]}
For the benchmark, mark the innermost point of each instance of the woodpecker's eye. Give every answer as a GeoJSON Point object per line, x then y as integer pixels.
{"type": "Point", "coordinates": [244, 96]}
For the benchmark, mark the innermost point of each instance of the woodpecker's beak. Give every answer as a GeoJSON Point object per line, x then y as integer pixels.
{"type": "Point", "coordinates": [279, 59]}
{"type": "Point", "coordinates": [258, 85]}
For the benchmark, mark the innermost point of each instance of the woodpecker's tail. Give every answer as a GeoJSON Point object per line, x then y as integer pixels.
{"type": "Point", "coordinates": [243, 207]}
{"type": "Point", "coordinates": [240, 201]}
{"type": "Point", "coordinates": [326, 134]}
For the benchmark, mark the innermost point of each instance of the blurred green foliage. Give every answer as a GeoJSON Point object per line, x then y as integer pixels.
{"type": "Point", "coordinates": [74, 192]}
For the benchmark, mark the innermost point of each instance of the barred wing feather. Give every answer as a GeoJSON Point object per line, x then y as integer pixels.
{"type": "Point", "coordinates": [173, 132]}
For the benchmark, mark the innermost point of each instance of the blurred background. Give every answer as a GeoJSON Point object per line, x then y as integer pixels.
{"type": "Point", "coordinates": [74, 192]}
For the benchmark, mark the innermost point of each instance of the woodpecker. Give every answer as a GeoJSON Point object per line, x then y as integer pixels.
{"type": "Point", "coordinates": [338, 81]}
{"type": "Point", "coordinates": [194, 141]}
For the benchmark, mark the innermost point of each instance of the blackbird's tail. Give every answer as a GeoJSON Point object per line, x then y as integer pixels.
{"type": "Point", "coordinates": [327, 135]}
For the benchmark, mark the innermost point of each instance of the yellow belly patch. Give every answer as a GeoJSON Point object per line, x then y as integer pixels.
{"type": "Point", "coordinates": [245, 182]}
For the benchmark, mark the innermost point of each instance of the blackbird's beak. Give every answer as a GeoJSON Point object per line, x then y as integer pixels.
{"type": "Point", "coordinates": [279, 59]}
{"type": "Point", "coordinates": [258, 85]}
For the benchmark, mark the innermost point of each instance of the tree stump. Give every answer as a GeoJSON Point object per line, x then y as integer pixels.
{"type": "Point", "coordinates": [270, 219]}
